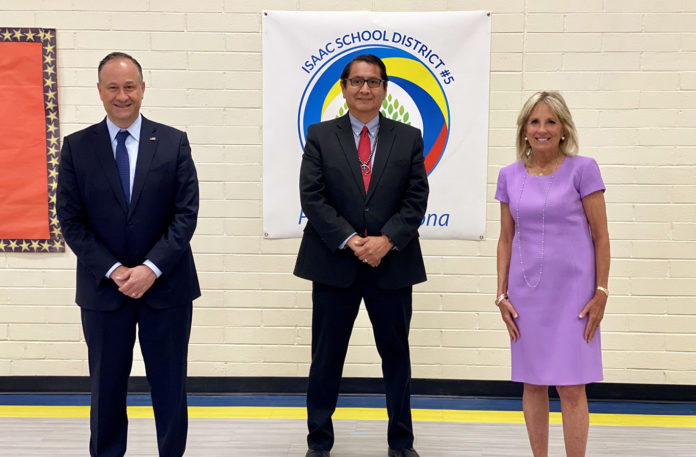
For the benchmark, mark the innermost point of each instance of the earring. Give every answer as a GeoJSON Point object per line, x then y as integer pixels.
{"type": "Point", "coordinates": [525, 138]}
{"type": "Point", "coordinates": [529, 152]}
{"type": "Point", "coordinates": [562, 138]}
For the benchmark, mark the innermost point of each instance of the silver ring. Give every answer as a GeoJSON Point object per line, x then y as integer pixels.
{"type": "Point", "coordinates": [133, 294]}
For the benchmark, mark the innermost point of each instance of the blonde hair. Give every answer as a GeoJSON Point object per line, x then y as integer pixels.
{"type": "Point", "coordinates": [554, 100]}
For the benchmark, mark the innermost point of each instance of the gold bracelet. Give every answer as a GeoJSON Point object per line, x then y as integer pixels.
{"type": "Point", "coordinates": [500, 298]}
{"type": "Point", "coordinates": [603, 289]}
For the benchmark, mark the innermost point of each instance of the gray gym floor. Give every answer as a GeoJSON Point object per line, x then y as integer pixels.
{"type": "Point", "coordinates": [39, 437]}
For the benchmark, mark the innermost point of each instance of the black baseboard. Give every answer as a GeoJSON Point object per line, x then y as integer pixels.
{"type": "Point", "coordinates": [209, 385]}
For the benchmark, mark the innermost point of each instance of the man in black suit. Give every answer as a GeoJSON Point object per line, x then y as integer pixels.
{"type": "Point", "coordinates": [128, 205]}
{"type": "Point", "coordinates": [364, 190]}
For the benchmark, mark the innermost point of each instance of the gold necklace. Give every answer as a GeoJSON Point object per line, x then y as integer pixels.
{"type": "Point", "coordinates": [553, 168]}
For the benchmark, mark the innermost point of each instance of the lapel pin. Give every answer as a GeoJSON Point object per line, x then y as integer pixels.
{"type": "Point", "coordinates": [152, 138]}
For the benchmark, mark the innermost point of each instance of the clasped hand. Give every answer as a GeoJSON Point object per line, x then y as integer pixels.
{"type": "Point", "coordinates": [370, 249]}
{"type": "Point", "coordinates": [133, 282]}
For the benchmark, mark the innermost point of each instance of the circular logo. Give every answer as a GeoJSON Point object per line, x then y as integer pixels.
{"type": "Point", "coordinates": [414, 96]}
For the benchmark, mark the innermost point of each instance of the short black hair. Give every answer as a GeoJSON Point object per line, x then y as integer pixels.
{"type": "Point", "coordinates": [369, 58]}
{"type": "Point", "coordinates": [119, 55]}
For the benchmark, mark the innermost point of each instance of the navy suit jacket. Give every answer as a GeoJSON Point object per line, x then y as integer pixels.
{"type": "Point", "coordinates": [101, 228]}
{"type": "Point", "coordinates": [334, 200]}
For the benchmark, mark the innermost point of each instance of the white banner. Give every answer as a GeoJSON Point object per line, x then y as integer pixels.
{"type": "Point", "coordinates": [438, 67]}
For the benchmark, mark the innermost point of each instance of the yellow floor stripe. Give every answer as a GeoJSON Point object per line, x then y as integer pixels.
{"type": "Point", "coordinates": [66, 412]}
{"type": "Point", "coordinates": [422, 415]}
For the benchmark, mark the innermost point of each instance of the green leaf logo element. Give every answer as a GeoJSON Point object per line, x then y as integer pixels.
{"type": "Point", "coordinates": [342, 110]}
{"type": "Point", "coordinates": [392, 109]}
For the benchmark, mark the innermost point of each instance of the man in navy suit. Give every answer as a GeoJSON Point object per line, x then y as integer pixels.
{"type": "Point", "coordinates": [128, 205]}
{"type": "Point", "coordinates": [364, 189]}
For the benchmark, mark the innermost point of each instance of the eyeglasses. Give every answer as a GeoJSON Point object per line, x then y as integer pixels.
{"type": "Point", "coordinates": [358, 81]}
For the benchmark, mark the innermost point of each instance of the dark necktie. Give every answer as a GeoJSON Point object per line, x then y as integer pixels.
{"type": "Point", "coordinates": [365, 156]}
{"type": "Point", "coordinates": [122, 163]}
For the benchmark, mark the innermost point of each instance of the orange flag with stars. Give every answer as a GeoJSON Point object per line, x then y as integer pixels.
{"type": "Point", "coordinates": [29, 141]}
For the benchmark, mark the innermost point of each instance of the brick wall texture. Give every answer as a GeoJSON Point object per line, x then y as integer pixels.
{"type": "Point", "coordinates": [626, 67]}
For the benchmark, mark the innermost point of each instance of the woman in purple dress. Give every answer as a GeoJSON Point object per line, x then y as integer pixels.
{"type": "Point", "coordinates": [553, 269]}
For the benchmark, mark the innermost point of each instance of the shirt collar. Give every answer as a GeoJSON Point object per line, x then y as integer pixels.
{"type": "Point", "coordinates": [133, 129]}
{"type": "Point", "coordinates": [372, 125]}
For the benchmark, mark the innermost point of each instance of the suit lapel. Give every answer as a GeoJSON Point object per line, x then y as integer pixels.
{"type": "Point", "coordinates": [146, 151]}
{"type": "Point", "coordinates": [347, 141]}
{"type": "Point", "coordinates": [385, 141]}
{"type": "Point", "coordinates": [101, 144]}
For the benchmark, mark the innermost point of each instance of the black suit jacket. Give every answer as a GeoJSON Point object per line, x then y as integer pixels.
{"type": "Point", "coordinates": [102, 229]}
{"type": "Point", "coordinates": [334, 200]}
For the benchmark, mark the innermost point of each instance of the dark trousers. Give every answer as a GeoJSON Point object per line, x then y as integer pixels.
{"type": "Point", "coordinates": [333, 313]}
{"type": "Point", "coordinates": [164, 336]}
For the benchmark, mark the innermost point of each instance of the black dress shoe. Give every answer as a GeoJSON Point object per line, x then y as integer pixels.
{"type": "Point", "coordinates": [402, 453]}
{"type": "Point", "coordinates": [316, 453]}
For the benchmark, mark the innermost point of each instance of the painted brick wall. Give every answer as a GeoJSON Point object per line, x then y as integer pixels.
{"type": "Point", "coordinates": [626, 67]}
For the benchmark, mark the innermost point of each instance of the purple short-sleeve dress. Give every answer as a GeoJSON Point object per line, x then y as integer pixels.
{"type": "Point", "coordinates": [552, 272]}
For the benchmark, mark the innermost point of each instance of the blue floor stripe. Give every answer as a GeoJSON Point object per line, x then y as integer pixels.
{"type": "Point", "coordinates": [475, 404]}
